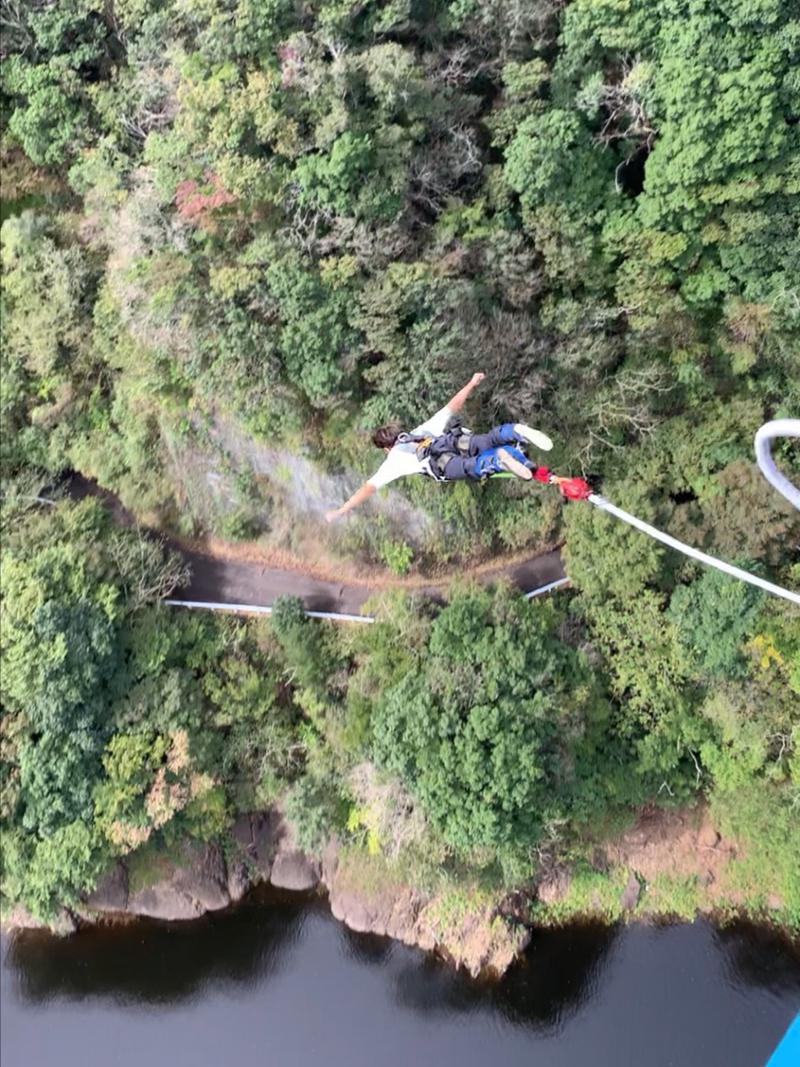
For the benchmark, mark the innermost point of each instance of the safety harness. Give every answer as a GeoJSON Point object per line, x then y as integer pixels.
{"type": "Point", "coordinates": [434, 453]}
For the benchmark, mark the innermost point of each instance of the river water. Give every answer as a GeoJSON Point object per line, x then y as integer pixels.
{"type": "Point", "coordinates": [276, 981]}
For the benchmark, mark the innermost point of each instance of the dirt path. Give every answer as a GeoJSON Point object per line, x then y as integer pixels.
{"type": "Point", "coordinates": [230, 581]}
{"type": "Point", "coordinates": [229, 573]}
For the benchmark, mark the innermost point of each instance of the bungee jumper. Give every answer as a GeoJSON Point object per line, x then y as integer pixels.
{"type": "Point", "coordinates": [442, 449]}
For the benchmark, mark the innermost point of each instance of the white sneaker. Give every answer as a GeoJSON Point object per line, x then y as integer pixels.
{"type": "Point", "coordinates": [513, 465]}
{"type": "Point", "coordinates": [536, 437]}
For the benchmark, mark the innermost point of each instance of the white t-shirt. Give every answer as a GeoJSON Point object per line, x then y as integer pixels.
{"type": "Point", "coordinates": [402, 459]}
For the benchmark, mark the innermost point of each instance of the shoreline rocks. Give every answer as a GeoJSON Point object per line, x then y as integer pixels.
{"type": "Point", "coordinates": [191, 885]}
{"type": "Point", "coordinates": [471, 929]}
{"type": "Point", "coordinates": [200, 878]}
{"type": "Point", "coordinates": [19, 918]}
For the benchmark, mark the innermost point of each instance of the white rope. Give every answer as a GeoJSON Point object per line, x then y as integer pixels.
{"type": "Point", "coordinates": [694, 553]}
{"type": "Point", "coordinates": [764, 437]}
{"type": "Point", "coordinates": [332, 616]}
{"type": "Point", "coordinates": [546, 588]}
{"type": "Point", "coordinates": [763, 444]}
{"type": "Point", "coordinates": [263, 609]}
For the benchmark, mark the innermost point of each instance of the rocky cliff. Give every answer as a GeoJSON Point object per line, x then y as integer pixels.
{"type": "Point", "coordinates": [200, 878]}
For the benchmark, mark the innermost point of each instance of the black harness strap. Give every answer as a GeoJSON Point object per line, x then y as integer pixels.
{"type": "Point", "coordinates": [434, 453]}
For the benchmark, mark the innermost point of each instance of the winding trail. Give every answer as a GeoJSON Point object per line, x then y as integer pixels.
{"type": "Point", "coordinates": [227, 581]}
{"type": "Point", "coordinates": [236, 574]}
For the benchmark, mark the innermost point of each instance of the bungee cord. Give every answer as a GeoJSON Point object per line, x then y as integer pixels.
{"type": "Point", "coordinates": [763, 445]}
{"type": "Point", "coordinates": [578, 489]}
{"type": "Point", "coordinates": [693, 553]}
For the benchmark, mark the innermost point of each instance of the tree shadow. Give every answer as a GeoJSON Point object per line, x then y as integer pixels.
{"type": "Point", "coordinates": [149, 962]}
{"type": "Point", "coordinates": [760, 956]}
{"type": "Point", "coordinates": [371, 949]}
{"type": "Point", "coordinates": [557, 976]}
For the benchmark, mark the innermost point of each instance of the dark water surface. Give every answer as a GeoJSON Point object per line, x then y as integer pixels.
{"type": "Point", "coordinates": [278, 982]}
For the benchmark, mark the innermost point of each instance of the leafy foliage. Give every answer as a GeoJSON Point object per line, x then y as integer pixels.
{"type": "Point", "coordinates": [119, 725]}
{"type": "Point", "coordinates": [240, 233]}
{"type": "Point", "coordinates": [474, 728]}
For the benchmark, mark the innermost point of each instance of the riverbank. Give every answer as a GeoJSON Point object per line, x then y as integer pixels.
{"type": "Point", "coordinates": [666, 866]}
{"type": "Point", "coordinates": [363, 894]}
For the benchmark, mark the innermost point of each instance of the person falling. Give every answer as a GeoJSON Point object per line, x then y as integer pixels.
{"type": "Point", "coordinates": [444, 450]}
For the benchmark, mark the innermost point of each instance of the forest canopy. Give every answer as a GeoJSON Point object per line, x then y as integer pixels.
{"type": "Point", "coordinates": [240, 233]}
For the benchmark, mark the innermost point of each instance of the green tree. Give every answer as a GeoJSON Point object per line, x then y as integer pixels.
{"type": "Point", "coordinates": [604, 557]}
{"type": "Point", "coordinates": [57, 54]}
{"type": "Point", "coordinates": [53, 872]}
{"type": "Point", "coordinates": [480, 728]}
{"type": "Point", "coordinates": [714, 615]}
{"type": "Point", "coordinates": [315, 335]}
{"type": "Point", "coordinates": [310, 657]}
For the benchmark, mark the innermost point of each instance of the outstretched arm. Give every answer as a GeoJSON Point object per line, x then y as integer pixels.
{"type": "Point", "coordinates": [358, 497]}
{"type": "Point", "coordinates": [457, 402]}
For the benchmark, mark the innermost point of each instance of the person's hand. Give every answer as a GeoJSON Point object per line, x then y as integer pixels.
{"type": "Point", "coordinates": [332, 516]}
{"type": "Point", "coordinates": [476, 379]}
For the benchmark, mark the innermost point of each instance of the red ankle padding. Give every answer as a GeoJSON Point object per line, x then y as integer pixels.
{"type": "Point", "coordinates": [575, 489]}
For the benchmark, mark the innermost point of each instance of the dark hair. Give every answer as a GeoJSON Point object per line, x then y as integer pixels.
{"type": "Point", "coordinates": [385, 436]}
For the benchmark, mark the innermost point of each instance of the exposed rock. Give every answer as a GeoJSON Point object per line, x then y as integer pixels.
{"type": "Point", "coordinates": [403, 921]}
{"type": "Point", "coordinates": [482, 939]}
{"type": "Point", "coordinates": [64, 923]}
{"type": "Point", "coordinates": [515, 904]}
{"type": "Point", "coordinates": [196, 884]}
{"type": "Point", "coordinates": [242, 831]}
{"type": "Point", "coordinates": [368, 902]}
{"type": "Point", "coordinates": [259, 835]}
{"type": "Point", "coordinates": [164, 900]}
{"type": "Point", "coordinates": [487, 946]}
{"type": "Point", "coordinates": [238, 879]}
{"type": "Point", "coordinates": [479, 939]}
{"type": "Point", "coordinates": [507, 951]}
{"type": "Point", "coordinates": [483, 936]}
{"type": "Point", "coordinates": [330, 861]}
{"type": "Point", "coordinates": [386, 914]}
{"type": "Point", "coordinates": [680, 845]}
{"type": "Point", "coordinates": [600, 861]}
{"type": "Point", "coordinates": [554, 887]}
{"type": "Point", "coordinates": [293, 869]}
{"type": "Point", "coordinates": [708, 837]}
{"type": "Point", "coordinates": [111, 893]}
{"type": "Point", "coordinates": [354, 909]}
{"type": "Point", "coordinates": [630, 894]}
{"type": "Point", "coordinates": [19, 918]}
{"type": "Point", "coordinates": [364, 896]}
{"type": "Point", "coordinates": [207, 877]}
